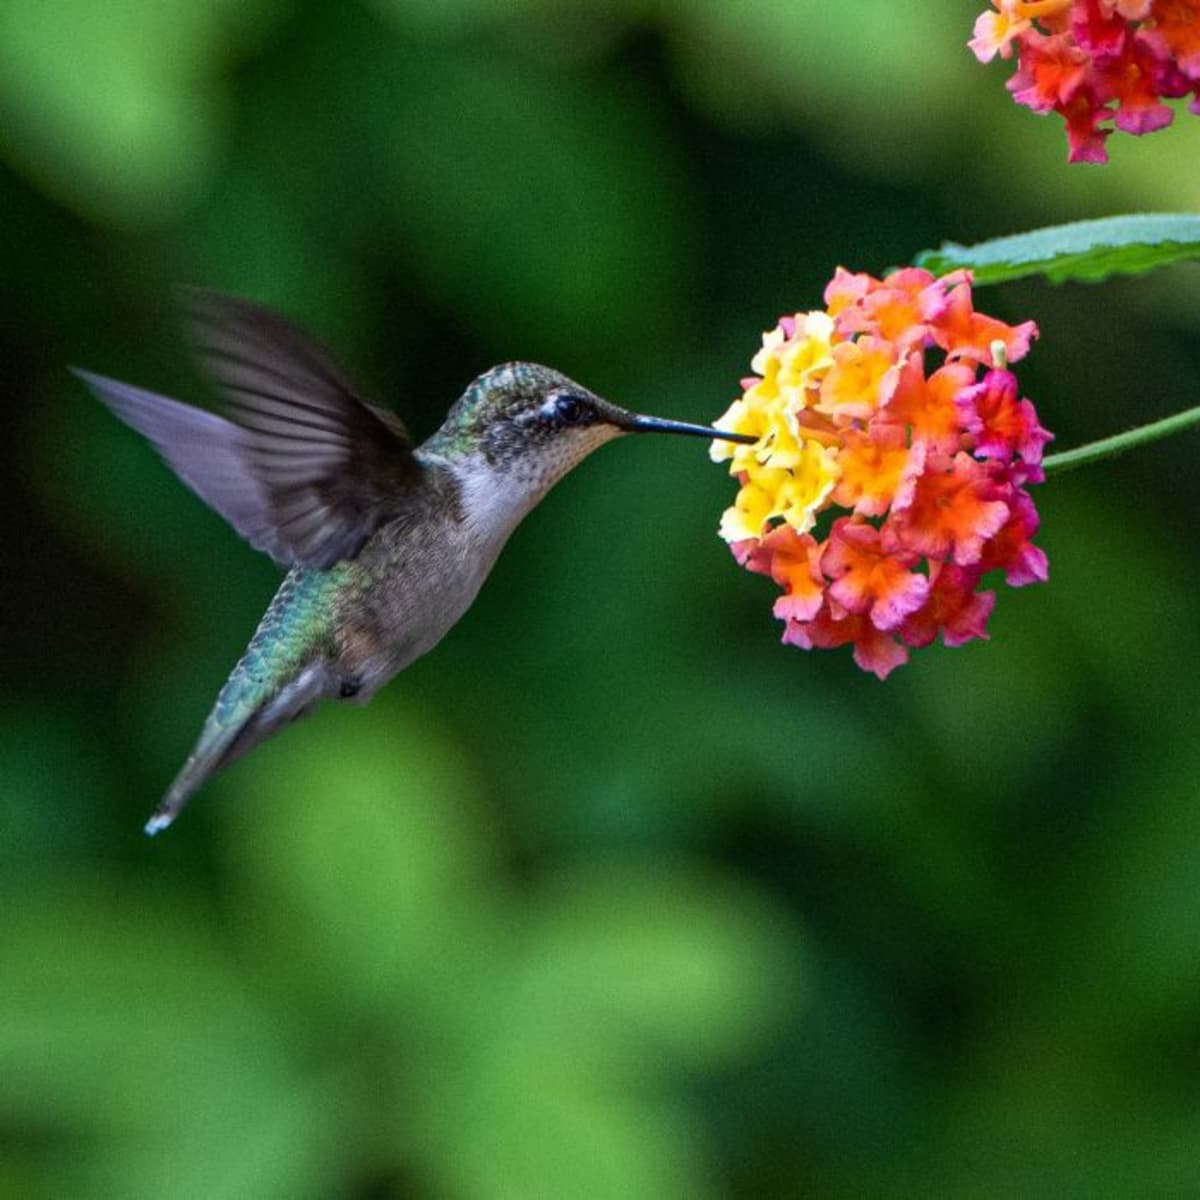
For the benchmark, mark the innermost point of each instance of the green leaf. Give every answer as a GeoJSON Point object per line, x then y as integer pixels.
{"type": "Point", "coordinates": [1084, 251]}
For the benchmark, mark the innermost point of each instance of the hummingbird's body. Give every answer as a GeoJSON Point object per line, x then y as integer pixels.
{"type": "Point", "coordinates": [387, 544]}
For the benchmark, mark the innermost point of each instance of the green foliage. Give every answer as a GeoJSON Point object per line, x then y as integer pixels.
{"type": "Point", "coordinates": [114, 108]}
{"type": "Point", "coordinates": [1083, 251]}
{"type": "Point", "coordinates": [581, 206]}
{"type": "Point", "coordinates": [611, 895]}
{"type": "Point", "coordinates": [378, 967]}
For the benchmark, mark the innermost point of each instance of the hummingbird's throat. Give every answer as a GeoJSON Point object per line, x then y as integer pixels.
{"type": "Point", "coordinates": [497, 493]}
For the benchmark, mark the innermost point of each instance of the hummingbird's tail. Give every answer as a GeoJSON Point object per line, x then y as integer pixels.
{"type": "Point", "coordinates": [223, 740]}
{"type": "Point", "coordinates": [284, 672]}
{"type": "Point", "coordinates": [207, 757]}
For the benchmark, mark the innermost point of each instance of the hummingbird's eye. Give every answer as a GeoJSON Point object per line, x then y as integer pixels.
{"type": "Point", "coordinates": [570, 409]}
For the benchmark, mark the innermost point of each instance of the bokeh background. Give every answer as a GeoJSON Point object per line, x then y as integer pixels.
{"type": "Point", "coordinates": [611, 895]}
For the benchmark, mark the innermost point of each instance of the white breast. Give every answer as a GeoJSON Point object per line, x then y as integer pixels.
{"type": "Point", "coordinates": [494, 502]}
{"type": "Point", "coordinates": [496, 499]}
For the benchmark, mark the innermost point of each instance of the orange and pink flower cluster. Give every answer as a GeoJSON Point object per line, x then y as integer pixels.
{"type": "Point", "coordinates": [888, 476]}
{"type": "Point", "coordinates": [1096, 61]}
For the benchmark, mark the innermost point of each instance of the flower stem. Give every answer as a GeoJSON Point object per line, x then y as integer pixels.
{"type": "Point", "coordinates": [1120, 442]}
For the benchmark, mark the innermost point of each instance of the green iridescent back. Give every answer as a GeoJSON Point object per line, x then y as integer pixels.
{"type": "Point", "coordinates": [297, 625]}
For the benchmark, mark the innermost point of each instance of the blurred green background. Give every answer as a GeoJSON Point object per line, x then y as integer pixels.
{"type": "Point", "coordinates": [611, 895]}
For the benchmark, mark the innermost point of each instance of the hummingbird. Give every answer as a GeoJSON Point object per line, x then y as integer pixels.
{"type": "Point", "coordinates": [386, 544]}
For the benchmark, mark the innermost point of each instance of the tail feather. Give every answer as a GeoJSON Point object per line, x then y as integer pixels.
{"type": "Point", "coordinates": [203, 761]}
{"type": "Point", "coordinates": [228, 735]}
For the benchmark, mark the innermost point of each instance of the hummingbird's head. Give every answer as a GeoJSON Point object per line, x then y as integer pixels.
{"type": "Point", "coordinates": [519, 428]}
{"type": "Point", "coordinates": [532, 419]}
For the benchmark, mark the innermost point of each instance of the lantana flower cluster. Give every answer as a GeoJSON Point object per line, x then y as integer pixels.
{"type": "Point", "coordinates": [890, 468]}
{"type": "Point", "coordinates": [1096, 61]}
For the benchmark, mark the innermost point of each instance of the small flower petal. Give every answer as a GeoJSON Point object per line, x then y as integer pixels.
{"type": "Point", "coordinates": [752, 509]}
{"type": "Point", "coordinates": [1002, 425]}
{"type": "Point", "coordinates": [874, 650]}
{"type": "Point", "coordinates": [954, 510]}
{"type": "Point", "coordinates": [1174, 34]}
{"type": "Point", "coordinates": [862, 378]}
{"type": "Point", "coordinates": [866, 578]}
{"type": "Point", "coordinates": [875, 465]}
{"type": "Point", "coordinates": [927, 407]}
{"type": "Point", "coordinates": [995, 32]}
{"type": "Point", "coordinates": [795, 566]}
{"type": "Point", "coordinates": [964, 333]}
{"type": "Point", "coordinates": [1011, 551]}
{"type": "Point", "coordinates": [953, 608]}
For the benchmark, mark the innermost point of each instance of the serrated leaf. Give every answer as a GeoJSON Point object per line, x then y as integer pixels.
{"type": "Point", "coordinates": [1083, 251]}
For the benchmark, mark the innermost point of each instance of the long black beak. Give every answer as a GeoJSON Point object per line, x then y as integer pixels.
{"type": "Point", "coordinates": [639, 424]}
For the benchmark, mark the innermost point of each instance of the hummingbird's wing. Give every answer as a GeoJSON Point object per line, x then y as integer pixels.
{"type": "Point", "coordinates": [260, 360]}
{"type": "Point", "coordinates": [305, 470]}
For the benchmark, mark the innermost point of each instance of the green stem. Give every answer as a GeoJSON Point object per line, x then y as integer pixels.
{"type": "Point", "coordinates": [1120, 442]}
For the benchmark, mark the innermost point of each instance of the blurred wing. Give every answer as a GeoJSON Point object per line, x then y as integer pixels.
{"type": "Point", "coordinates": [330, 462]}
{"type": "Point", "coordinates": [205, 451]}
{"type": "Point", "coordinates": [261, 361]}
{"type": "Point", "coordinates": [305, 470]}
